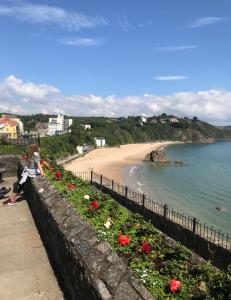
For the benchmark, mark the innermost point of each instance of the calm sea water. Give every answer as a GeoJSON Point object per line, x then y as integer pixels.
{"type": "Point", "coordinates": [196, 189]}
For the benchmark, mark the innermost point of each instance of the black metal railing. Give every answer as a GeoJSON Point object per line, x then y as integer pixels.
{"type": "Point", "coordinates": [18, 145]}
{"type": "Point", "coordinates": [205, 231]}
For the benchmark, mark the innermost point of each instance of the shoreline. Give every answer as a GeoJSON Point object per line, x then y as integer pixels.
{"type": "Point", "coordinates": [110, 162]}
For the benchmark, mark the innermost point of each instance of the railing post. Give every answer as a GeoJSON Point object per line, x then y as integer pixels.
{"type": "Point", "coordinates": [194, 232]}
{"type": "Point", "coordinates": [194, 225]}
{"type": "Point", "coordinates": [143, 202]}
{"type": "Point", "coordinates": [126, 192]}
{"type": "Point", "coordinates": [91, 176]}
{"type": "Point", "coordinates": [101, 181]}
{"type": "Point", "coordinates": [112, 185]}
{"type": "Point", "coordinates": [126, 195]}
{"type": "Point", "coordinates": [165, 211]}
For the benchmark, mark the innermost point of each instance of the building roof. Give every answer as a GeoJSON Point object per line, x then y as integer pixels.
{"type": "Point", "coordinates": [8, 121]}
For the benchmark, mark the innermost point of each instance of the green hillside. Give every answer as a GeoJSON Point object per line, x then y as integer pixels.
{"type": "Point", "coordinates": [118, 131]}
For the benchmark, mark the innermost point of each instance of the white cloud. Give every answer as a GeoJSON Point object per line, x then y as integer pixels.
{"type": "Point", "coordinates": [81, 41]}
{"type": "Point", "coordinates": [51, 15]}
{"type": "Point", "coordinates": [18, 96]}
{"type": "Point", "coordinates": [201, 22]}
{"type": "Point", "coordinates": [123, 22]}
{"type": "Point", "coordinates": [171, 77]}
{"type": "Point", "coordinates": [176, 48]}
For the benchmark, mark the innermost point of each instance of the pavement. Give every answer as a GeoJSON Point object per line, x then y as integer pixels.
{"type": "Point", "coordinates": [25, 271]}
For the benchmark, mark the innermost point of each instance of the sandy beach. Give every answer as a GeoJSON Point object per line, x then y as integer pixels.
{"type": "Point", "coordinates": [110, 161]}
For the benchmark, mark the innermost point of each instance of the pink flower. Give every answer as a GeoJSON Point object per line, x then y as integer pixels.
{"type": "Point", "coordinates": [58, 175]}
{"type": "Point", "coordinates": [70, 186]}
{"type": "Point", "coordinates": [145, 248]}
{"type": "Point", "coordinates": [95, 204]}
{"type": "Point", "coordinates": [174, 285]}
{"type": "Point", "coordinates": [123, 239]}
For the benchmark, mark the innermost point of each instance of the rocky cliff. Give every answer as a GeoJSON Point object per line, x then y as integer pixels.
{"type": "Point", "coordinates": [157, 156]}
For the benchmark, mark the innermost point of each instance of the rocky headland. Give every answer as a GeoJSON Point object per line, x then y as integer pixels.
{"type": "Point", "coordinates": [159, 157]}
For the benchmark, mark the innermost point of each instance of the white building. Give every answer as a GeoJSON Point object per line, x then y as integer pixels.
{"type": "Point", "coordinates": [100, 142]}
{"type": "Point", "coordinates": [143, 119]}
{"type": "Point", "coordinates": [174, 120]}
{"type": "Point", "coordinates": [20, 124]}
{"type": "Point", "coordinates": [86, 127]}
{"type": "Point", "coordinates": [58, 125]}
{"type": "Point", "coordinates": [67, 124]}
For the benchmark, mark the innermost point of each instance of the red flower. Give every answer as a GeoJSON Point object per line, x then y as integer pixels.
{"type": "Point", "coordinates": [145, 248]}
{"type": "Point", "coordinates": [95, 204]}
{"type": "Point", "coordinates": [123, 239]}
{"type": "Point", "coordinates": [174, 285]}
{"type": "Point", "coordinates": [58, 175]}
{"type": "Point", "coordinates": [70, 186]}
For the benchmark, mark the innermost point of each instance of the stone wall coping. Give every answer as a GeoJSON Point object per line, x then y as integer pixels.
{"type": "Point", "coordinates": [104, 270]}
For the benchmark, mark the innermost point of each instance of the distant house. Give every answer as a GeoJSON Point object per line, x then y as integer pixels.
{"type": "Point", "coordinates": [100, 142]}
{"type": "Point", "coordinates": [10, 126]}
{"type": "Point", "coordinates": [174, 120]}
{"type": "Point", "coordinates": [86, 127]}
{"type": "Point", "coordinates": [143, 119]}
{"type": "Point", "coordinates": [153, 120]}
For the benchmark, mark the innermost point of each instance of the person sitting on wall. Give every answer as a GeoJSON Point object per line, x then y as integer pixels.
{"type": "Point", "coordinates": [32, 169]}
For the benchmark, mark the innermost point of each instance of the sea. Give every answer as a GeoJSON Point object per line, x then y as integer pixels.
{"type": "Point", "coordinates": [201, 188]}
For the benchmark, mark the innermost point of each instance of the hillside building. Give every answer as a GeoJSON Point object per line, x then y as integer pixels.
{"type": "Point", "coordinates": [86, 127]}
{"type": "Point", "coordinates": [100, 141]}
{"type": "Point", "coordinates": [10, 126]}
{"type": "Point", "coordinates": [59, 125]}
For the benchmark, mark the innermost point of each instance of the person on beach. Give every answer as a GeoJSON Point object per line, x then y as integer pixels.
{"type": "Point", "coordinates": [32, 169]}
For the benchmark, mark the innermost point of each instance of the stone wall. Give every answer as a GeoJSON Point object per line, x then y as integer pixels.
{"type": "Point", "coordinates": [10, 164]}
{"type": "Point", "coordinates": [88, 268]}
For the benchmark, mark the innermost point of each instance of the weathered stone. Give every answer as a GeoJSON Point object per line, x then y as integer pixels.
{"type": "Point", "coordinates": [94, 261]}
{"type": "Point", "coordinates": [113, 275]}
{"type": "Point", "coordinates": [136, 284]}
{"type": "Point", "coordinates": [125, 292]}
{"type": "Point", "coordinates": [104, 247]}
{"type": "Point", "coordinates": [103, 291]}
{"type": "Point", "coordinates": [112, 257]}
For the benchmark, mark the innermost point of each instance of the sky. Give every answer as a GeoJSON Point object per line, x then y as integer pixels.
{"type": "Point", "coordinates": [116, 58]}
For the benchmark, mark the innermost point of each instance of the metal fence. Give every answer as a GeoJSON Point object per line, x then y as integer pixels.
{"type": "Point", "coordinates": [191, 223]}
{"type": "Point", "coordinates": [17, 145]}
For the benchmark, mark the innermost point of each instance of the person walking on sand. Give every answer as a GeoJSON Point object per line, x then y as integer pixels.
{"type": "Point", "coordinates": [32, 169]}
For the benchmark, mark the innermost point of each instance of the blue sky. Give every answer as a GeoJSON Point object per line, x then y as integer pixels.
{"type": "Point", "coordinates": [113, 51]}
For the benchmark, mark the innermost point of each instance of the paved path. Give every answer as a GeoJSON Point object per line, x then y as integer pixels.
{"type": "Point", "coordinates": [25, 271]}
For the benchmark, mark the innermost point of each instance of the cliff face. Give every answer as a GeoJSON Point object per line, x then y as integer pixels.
{"type": "Point", "coordinates": [194, 136]}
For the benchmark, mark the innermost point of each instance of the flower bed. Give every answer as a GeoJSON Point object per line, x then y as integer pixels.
{"type": "Point", "coordinates": [167, 272]}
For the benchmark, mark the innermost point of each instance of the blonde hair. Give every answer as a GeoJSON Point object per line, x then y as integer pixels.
{"type": "Point", "coordinates": [33, 148]}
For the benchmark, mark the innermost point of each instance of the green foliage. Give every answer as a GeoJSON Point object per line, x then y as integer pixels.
{"type": "Point", "coordinates": [117, 131]}
{"type": "Point", "coordinates": [163, 263]}
{"type": "Point", "coordinates": [58, 146]}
